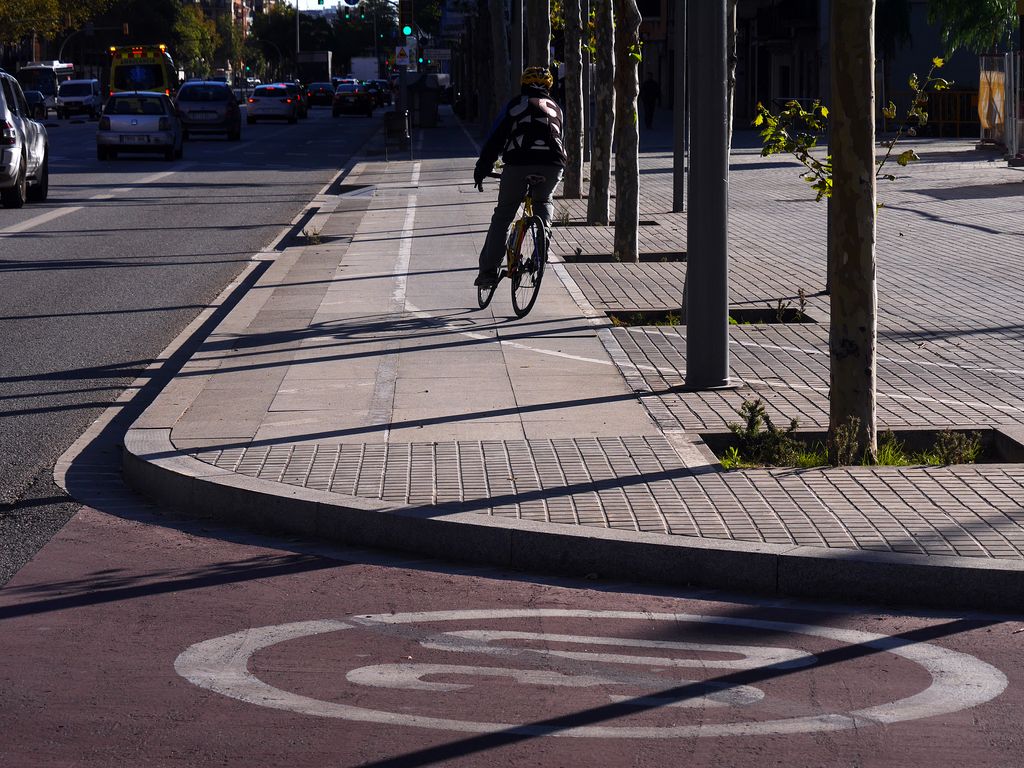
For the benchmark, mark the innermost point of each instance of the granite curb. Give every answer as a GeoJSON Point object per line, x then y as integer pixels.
{"type": "Point", "coordinates": [173, 478]}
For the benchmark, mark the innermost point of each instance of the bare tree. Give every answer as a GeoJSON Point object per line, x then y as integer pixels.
{"type": "Point", "coordinates": [538, 33]}
{"type": "Point", "coordinates": [604, 113]}
{"type": "Point", "coordinates": [499, 50]}
{"type": "Point", "coordinates": [627, 133]}
{"type": "Point", "coordinates": [572, 185]}
{"type": "Point", "coordinates": [853, 323]}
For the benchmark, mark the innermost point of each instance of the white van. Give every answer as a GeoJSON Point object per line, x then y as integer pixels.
{"type": "Point", "coordinates": [79, 96]}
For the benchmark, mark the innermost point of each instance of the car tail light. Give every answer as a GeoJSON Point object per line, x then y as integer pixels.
{"type": "Point", "coordinates": [252, 100]}
{"type": "Point", "coordinates": [104, 124]}
{"type": "Point", "coordinates": [164, 124]}
{"type": "Point", "coordinates": [8, 137]}
{"type": "Point", "coordinates": [286, 101]}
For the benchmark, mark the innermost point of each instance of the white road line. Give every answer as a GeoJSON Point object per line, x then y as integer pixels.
{"type": "Point", "coordinates": [35, 221]}
{"type": "Point", "coordinates": [57, 213]}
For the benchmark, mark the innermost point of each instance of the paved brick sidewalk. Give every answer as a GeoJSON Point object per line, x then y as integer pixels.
{"type": "Point", "coordinates": [358, 367]}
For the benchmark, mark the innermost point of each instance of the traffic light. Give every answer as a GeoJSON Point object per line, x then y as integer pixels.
{"type": "Point", "coordinates": [405, 19]}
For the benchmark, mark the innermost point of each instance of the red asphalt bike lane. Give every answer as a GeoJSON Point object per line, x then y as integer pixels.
{"type": "Point", "coordinates": [128, 642]}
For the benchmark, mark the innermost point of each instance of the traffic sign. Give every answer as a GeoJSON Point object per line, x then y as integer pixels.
{"type": "Point", "coordinates": [401, 56]}
{"type": "Point", "coordinates": [437, 54]}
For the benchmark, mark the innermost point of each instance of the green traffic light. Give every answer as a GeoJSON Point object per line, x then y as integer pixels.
{"type": "Point", "coordinates": [406, 30]}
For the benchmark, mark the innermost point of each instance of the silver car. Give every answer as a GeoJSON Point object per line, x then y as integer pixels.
{"type": "Point", "coordinates": [271, 101]}
{"type": "Point", "coordinates": [139, 121]}
{"type": "Point", "coordinates": [24, 149]}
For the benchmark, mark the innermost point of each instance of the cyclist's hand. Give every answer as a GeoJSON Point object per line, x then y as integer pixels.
{"type": "Point", "coordinates": [479, 186]}
{"type": "Point", "coordinates": [479, 174]}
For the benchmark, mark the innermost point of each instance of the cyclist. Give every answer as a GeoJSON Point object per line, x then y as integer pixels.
{"type": "Point", "coordinates": [528, 136]}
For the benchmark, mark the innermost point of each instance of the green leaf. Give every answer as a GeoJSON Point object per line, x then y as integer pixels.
{"type": "Point", "coordinates": [905, 157]}
{"type": "Point", "coordinates": [758, 121]}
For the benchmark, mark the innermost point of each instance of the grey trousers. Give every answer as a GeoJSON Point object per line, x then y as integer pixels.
{"type": "Point", "coordinates": [510, 194]}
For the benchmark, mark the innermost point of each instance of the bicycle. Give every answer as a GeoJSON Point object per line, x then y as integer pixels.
{"type": "Point", "coordinates": [524, 266]}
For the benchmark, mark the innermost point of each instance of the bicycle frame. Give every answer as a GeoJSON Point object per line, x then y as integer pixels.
{"type": "Point", "coordinates": [520, 226]}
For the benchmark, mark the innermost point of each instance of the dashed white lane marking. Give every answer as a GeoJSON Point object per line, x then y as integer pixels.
{"type": "Point", "coordinates": [42, 218]}
{"type": "Point", "coordinates": [958, 681]}
{"type": "Point", "coordinates": [57, 213]}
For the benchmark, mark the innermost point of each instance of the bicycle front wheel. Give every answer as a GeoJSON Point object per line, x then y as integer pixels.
{"type": "Point", "coordinates": [529, 267]}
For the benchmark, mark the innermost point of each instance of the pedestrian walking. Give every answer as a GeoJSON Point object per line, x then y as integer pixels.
{"type": "Point", "coordinates": [650, 95]}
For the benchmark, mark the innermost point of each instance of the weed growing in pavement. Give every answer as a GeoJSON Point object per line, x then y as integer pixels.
{"type": "Point", "coordinates": [844, 442]}
{"type": "Point", "coordinates": [760, 441]}
{"type": "Point", "coordinates": [312, 236]}
{"type": "Point", "coordinates": [761, 444]}
{"type": "Point", "coordinates": [956, 447]}
{"type": "Point", "coordinates": [562, 218]}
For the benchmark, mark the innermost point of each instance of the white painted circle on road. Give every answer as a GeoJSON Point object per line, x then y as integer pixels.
{"type": "Point", "coordinates": [959, 681]}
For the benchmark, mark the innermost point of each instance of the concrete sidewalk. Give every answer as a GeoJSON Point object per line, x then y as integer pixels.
{"type": "Point", "coordinates": [355, 392]}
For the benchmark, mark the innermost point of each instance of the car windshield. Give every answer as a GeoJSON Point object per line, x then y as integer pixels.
{"type": "Point", "coordinates": [139, 77]}
{"type": "Point", "coordinates": [203, 93]}
{"type": "Point", "coordinates": [343, 88]}
{"type": "Point", "coordinates": [134, 105]}
{"type": "Point", "coordinates": [75, 89]}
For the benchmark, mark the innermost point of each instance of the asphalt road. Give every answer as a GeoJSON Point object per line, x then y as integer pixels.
{"type": "Point", "coordinates": [135, 639]}
{"type": "Point", "coordinates": [123, 255]}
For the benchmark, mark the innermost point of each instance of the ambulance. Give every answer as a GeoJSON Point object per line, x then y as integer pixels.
{"type": "Point", "coordinates": [142, 68]}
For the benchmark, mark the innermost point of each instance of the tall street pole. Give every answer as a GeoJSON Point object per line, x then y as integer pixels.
{"type": "Point", "coordinates": [517, 38]}
{"type": "Point", "coordinates": [297, 45]}
{"type": "Point", "coordinates": [707, 220]}
{"type": "Point", "coordinates": [679, 109]}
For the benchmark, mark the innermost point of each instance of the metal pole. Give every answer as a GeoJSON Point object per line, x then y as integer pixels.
{"type": "Point", "coordinates": [517, 38]}
{"type": "Point", "coordinates": [707, 240]}
{"type": "Point", "coordinates": [679, 109]}
{"type": "Point", "coordinates": [587, 118]}
{"type": "Point", "coordinates": [297, 45]}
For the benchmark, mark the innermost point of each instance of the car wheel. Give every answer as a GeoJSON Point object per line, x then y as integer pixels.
{"type": "Point", "coordinates": [38, 192]}
{"type": "Point", "coordinates": [16, 195]}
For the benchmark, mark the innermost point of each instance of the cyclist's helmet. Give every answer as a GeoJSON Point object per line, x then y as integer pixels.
{"type": "Point", "coordinates": [538, 76]}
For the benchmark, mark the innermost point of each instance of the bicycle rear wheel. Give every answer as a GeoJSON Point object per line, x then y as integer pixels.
{"type": "Point", "coordinates": [530, 261]}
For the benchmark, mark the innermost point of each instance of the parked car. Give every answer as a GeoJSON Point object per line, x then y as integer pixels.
{"type": "Point", "coordinates": [24, 148]}
{"type": "Point", "coordinates": [79, 97]}
{"type": "Point", "coordinates": [209, 106]}
{"type": "Point", "coordinates": [37, 108]}
{"type": "Point", "coordinates": [271, 101]}
{"type": "Point", "coordinates": [344, 81]}
{"type": "Point", "coordinates": [139, 121]}
{"type": "Point", "coordinates": [320, 93]}
{"type": "Point", "coordinates": [352, 99]}
{"type": "Point", "coordinates": [298, 92]}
